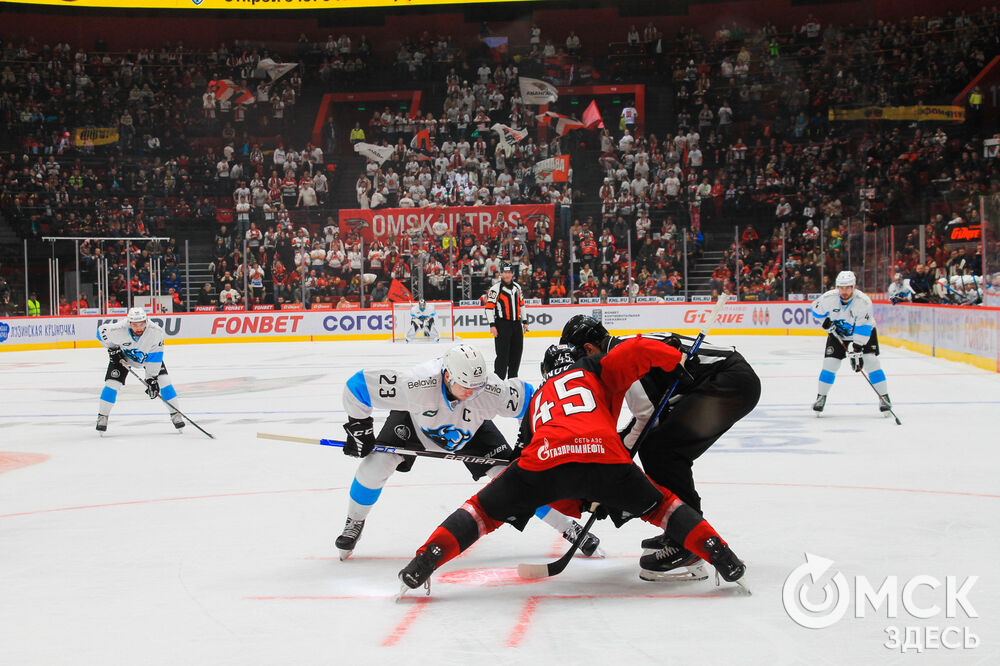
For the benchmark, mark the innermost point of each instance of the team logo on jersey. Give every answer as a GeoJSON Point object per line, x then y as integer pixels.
{"type": "Point", "coordinates": [116, 373]}
{"type": "Point", "coordinates": [448, 436]}
{"type": "Point", "coordinates": [402, 432]}
{"type": "Point", "coordinates": [829, 349]}
{"type": "Point", "coordinates": [430, 413]}
{"type": "Point", "coordinates": [136, 355]}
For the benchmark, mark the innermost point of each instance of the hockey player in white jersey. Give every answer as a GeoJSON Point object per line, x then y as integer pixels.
{"type": "Point", "coordinates": [847, 316]}
{"type": "Point", "coordinates": [422, 321]}
{"type": "Point", "coordinates": [900, 290]}
{"type": "Point", "coordinates": [139, 343]}
{"type": "Point", "coordinates": [973, 291]}
{"type": "Point", "coordinates": [444, 404]}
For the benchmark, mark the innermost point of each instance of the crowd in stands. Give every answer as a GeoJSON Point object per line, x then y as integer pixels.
{"type": "Point", "coordinates": [748, 143]}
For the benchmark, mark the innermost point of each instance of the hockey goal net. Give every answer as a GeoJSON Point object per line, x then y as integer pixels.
{"type": "Point", "coordinates": [444, 321]}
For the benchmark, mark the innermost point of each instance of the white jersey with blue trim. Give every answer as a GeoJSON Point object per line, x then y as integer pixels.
{"type": "Point", "coordinates": [441, 424]}
{"type": "Point", "coordinates": [145, 351]}
{"type": "Point", "coordinates": [422, 315]}
{"type": "Point", "coordinates": [853, 321]}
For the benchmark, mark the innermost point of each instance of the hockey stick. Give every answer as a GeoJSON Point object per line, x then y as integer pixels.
{"type": "Point", "coordinates": [535, 571]}
{"type": "Point", "coordinates": [185, 416]}
{"type": "Point", "coordinates": [865, 375]}
{"type": "Point", "coordinates": [379, 448]}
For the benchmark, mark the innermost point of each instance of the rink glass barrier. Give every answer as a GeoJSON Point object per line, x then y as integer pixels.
{"type": "Point", "coordinates": [967, 335]}
{"type": "Point", "coordinates": [989, 207]}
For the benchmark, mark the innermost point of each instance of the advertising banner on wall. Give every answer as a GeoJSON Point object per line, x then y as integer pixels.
{"type": "Point", "coordinates": [392, 223]}
{"type": "Point", "coordinates": [20, 333]}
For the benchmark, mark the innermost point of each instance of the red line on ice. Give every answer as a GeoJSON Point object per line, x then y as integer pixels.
{"type": "Point", "coordinates": [404, 625]}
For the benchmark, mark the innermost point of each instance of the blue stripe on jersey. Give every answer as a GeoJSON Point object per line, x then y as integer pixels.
{"type": "Point", "coordinates": [364, 496]}
{"type": "Point", "coordinates": [168, 392]}
{"type": "Point", "coordinates": [528, 392]}
{"type": "Point", "coordinates": [826, 376]}
{"type": "Point", "coordinates": [542, 511]}
{"type": "Point", "coordinates": [98, 334]}
{"type": "Point", "coordinates": [818, 315]}
{"type": "Point", "coordinates": [863, 330]}
{"type": "Point", "coordinates": [155, 357]}
{"type": "Point", "coordinates": [109, 395]}
{"type": "Point", "coordinates": [359, 389]}
{"type": "Point", "coordinates": [877, 376]}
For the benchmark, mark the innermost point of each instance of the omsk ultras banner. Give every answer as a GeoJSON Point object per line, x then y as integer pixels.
{"type": "Point", "coordinates": [920, 112]}
{"type": "Point", "coordinates": [95, 136]}
{"type": "Point", "coordinates": [393, 223]}
{"type": "Point", "coordinates": [241, 4]}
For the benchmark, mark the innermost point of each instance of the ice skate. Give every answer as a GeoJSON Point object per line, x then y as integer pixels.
{"type": "Point", "coordinates": [177, 420]}
{"type": "Point", "coordinates": [418, 571]}
{"type": "Point", "coordinates": [884, 404]}
{"type": "Point", "coordinates": [653, 544]}
{"type": "Point", "coordinates": [102, 423]}
{"type": "Point", "coordinates": [348, 539]}
{"type": "Point", "coordinates": [819, 404]}
{"type": "Point", "coordinates": [591, 546]}
{"type": "Point", "coordinates": [670, 563]}
{"type": "Point", "coordinates": [726, 564]}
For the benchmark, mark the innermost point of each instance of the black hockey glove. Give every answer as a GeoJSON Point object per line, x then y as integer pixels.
{"type": "Point", "coordinates": [360, 437]}
{"type": "Point", "coordinates": [683, 377]}
{"type": "Point", "coordinates": [117, 356]}
{"type": "Point", "coordinates": [152, 388]}
{"type": "Point", "coordinates": [854, 356]}
{"type": "Point", "coordinates": [827, 324]}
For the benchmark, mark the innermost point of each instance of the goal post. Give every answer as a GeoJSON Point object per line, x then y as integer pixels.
{"type": "Point", "coordinates": [444, 321]}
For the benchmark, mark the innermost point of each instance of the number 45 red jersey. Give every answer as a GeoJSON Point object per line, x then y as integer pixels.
{"type": "Point", "coordinates": [573, 417]}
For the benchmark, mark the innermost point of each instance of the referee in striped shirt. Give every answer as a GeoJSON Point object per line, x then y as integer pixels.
{"type": "Point", "coordinates": [505, 312]}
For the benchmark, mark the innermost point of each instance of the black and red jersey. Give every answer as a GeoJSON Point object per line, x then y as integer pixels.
{"type": "Point", "coordinates": [573, 416]}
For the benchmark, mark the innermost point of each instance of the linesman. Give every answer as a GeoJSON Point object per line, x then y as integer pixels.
{"type": "Point", "coordinates": [505, 312]}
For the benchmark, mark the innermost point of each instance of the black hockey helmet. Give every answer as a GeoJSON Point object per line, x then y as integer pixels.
{"type": "Point", "coordinates": [559, 357]}
{"type": "Point", "coordinates": [581, 329]}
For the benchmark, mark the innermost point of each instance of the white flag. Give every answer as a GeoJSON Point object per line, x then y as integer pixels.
{"type": "Point", "coordinates": [536, 91]}
{"type": "Point", "coordinates": [274, 70]}
{"type": "Point", "coordinates": [373, 152]}
{"type": "Point", "coordinates": [508, 137]}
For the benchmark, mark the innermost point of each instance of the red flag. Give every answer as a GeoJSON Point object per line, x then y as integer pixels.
{"type": "Point", "coordinates": [398, 293]}
{"type": "Point", "coordinates": [421, 141]}
{"type": "Point", "coordinates": [592, 116]}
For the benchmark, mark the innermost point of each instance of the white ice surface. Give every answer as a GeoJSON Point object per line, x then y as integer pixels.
{"type": "Point", "coordinates": [150, 547]}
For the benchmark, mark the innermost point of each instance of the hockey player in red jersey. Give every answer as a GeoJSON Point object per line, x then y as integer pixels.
{"type": "Point", "coordinates": [572, 451]}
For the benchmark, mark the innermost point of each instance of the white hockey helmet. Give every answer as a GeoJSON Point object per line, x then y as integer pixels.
{"type": "Point", "coordinates": [136, 315]}
{"type": "Point", "coordinates": [897, 276]}
{"type": "Point", "coordinates": [956, 279]}
{"type": "Point", "coordinates": [466, 366]}
{"type": "Point", "coordinates": [942, 281]}
{"type": "Point", "coordinates": [846, 279]}
{"type": "Point", "coordinates": [969, 280]}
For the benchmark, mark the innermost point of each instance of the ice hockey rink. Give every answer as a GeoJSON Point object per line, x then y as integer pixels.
{"type": "Point", "coordinates": [150, 547]}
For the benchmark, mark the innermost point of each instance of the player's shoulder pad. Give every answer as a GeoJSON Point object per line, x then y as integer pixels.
{"type": "Point", "coordinates": [494, 385]}
{"type": "Point", "coordinates": [862, 297]}
{"type": "Point", "coordinates": [590, 363]}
